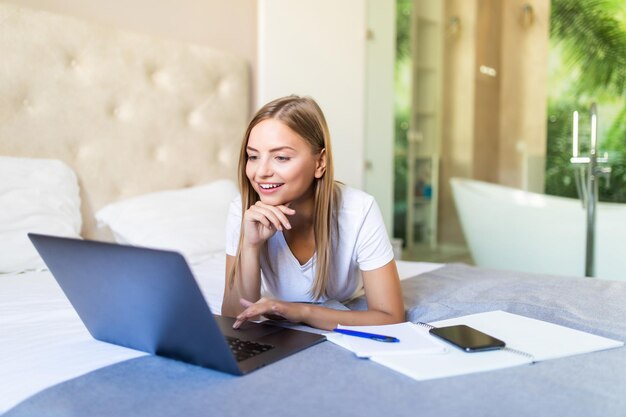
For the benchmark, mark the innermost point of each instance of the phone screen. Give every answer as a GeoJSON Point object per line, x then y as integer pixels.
{"type": "Point", "coordinates": [467, 338]}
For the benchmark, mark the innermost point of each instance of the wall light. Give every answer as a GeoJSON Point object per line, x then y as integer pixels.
{"type": "Point", "coordinates": [528, 15]}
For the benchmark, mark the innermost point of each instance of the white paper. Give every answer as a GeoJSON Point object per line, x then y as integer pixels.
{"type": "Point", "coordinates": [413, 339]}
{"type": "Point", "coordinates": [541, 339]}
{"type": "Point", "coordinates": [453, 362]}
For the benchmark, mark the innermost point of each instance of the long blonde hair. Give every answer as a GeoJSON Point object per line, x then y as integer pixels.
{"type": "Point", "coordinates": [304, 117]}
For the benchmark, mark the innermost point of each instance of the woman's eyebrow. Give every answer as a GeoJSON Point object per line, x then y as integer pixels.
{"type": "Point", "coordinates": [280, 148]}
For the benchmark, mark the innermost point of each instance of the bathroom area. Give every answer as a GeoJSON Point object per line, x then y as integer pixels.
{"type": "Point", "coordinates": [510, 136]}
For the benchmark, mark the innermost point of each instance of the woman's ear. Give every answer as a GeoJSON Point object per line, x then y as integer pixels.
{"type": "Point", "coordinates": [320, 164]}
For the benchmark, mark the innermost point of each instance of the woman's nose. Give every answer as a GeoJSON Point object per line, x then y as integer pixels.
{"type": "Point", "coordinates": [265, 168]}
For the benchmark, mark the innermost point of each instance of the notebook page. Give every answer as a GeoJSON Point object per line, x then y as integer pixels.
{"type": "Point", "coordinates": [413, 339]}
{"type": "Point", "coordinates": [451, 363]}
{"type": "Point", "coordinates": [539, 338]}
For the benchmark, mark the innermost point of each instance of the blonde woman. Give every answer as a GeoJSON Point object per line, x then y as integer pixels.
{"type": "Point", "coordinates": [296, 238]}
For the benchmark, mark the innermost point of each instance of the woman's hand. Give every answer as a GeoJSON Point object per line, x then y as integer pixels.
{"type": "Point", "coordinates": [261, 221]}
{"type": "Point", "coordinates": [268, 307]}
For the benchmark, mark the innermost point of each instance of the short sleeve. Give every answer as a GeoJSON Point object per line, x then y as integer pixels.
{"type": "Point", "coordinates": [373, 246]}
{"type": "Point", "coordinates": [233, 226]}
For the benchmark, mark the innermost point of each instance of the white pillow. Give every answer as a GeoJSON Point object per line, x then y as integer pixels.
{"type": "Point", "coordinates": [36, 195]}
{"type": "Point", "coordinates": [191, 220]}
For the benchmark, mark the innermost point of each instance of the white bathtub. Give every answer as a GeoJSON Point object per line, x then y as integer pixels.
{"type": "Point", "coordinates": [512, 229]}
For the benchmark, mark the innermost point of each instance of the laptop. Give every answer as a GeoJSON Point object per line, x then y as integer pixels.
{"type": "Point", "coordinates": [148, 300]}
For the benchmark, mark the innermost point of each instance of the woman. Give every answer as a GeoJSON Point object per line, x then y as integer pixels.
{"type": "Point", "coordinates": [299, 237]}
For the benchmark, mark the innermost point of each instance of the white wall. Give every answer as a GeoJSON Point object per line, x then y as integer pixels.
{"type": "Point", "coordinates": [317, 48]}
{"type": "Point", "coordinates": [379, 113]}
{"type": "Point", "coordinates": [320, 48]}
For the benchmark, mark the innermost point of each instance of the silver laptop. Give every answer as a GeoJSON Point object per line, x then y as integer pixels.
{"type": "Point", "coordinates": [148, 299]}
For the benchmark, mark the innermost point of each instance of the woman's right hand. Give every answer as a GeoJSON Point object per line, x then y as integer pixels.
{"type": "Point", "coordinates": [261, 221]}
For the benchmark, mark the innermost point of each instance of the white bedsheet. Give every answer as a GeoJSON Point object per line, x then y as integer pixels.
{"type": "Point", "coordinates": [43, 342]}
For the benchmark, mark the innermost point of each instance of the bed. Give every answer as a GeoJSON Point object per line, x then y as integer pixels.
{"type": "Point", "coordinates": [120, 137]}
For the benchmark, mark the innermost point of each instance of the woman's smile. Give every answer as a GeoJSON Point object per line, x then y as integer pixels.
{"type": "Point", "coordinates": [269, 188]}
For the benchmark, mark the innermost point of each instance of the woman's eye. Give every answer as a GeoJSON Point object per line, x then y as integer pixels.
{"type": "Point", "coordinates": [283, 158]}
{"type": "Point", "coordinates": [252, 157]}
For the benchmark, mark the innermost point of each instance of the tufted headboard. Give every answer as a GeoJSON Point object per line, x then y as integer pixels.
{"type": "Point", "coordinates": [130, 114]}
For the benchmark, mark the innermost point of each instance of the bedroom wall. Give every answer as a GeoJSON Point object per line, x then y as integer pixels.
{"type": "Point", "coordinates": [297, 56]}
{"type": "Point", "coordinates": [380, 97]}
{"type": "Point", "coordinates": [226, 25]}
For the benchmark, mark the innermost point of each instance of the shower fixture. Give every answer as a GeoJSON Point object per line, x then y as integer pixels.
{"type": "Point", "coordinates": [587, 182]}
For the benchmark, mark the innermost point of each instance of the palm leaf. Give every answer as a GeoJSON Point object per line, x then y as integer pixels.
{"type": "Point", "coordinates": [594, 41]}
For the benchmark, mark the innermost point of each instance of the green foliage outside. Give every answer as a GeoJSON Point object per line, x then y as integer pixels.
{"type": "Point", "coordinates": [588, 64]}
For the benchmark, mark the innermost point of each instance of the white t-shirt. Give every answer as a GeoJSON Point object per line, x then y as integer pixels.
{"type": "Point", "coordinates": [363, 245]}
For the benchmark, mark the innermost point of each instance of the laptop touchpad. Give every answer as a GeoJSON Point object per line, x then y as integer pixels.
{"type": "Point", "coordinates": [248, 330]}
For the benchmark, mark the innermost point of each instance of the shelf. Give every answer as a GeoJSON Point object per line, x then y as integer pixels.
{"type": "Point", "coordinates": [425, 124]}
{"type": "Point", "coordinates": [422, 200]}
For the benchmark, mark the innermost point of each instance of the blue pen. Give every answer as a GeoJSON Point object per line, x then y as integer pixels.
{"type": "Point", "coordinates": [377, 337]}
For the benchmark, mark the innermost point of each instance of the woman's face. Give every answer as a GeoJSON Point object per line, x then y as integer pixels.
{"type": "Point", "coordinates": [281, 165]}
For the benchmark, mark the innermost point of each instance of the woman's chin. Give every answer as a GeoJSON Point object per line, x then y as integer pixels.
{"type": "Point", "coordinates": [272, 200]}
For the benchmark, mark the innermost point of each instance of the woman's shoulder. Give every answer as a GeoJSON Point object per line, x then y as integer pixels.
{"type": "Point", "coordinates": [353, 199]}
{"type": "Point", "coordinates": [235, 206]}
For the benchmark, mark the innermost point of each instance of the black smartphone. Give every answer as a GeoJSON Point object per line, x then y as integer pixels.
{"type": "Point", "coordinates": [467, 338]}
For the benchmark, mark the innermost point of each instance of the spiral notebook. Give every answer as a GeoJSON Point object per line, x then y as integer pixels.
{"type": "Point", "coordinates": [528, 340]}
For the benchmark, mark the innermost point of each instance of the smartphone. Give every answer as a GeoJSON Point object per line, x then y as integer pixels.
{"type": "Point", "coordinates": [467, 338]}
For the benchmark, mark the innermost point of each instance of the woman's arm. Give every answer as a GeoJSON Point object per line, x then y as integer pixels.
{"type": "Point", "coordinates": [247, 285]}
{"type": "Point", "coordinates": [384, 301]}
{"type": "Point", "coordinates": [260, 222]}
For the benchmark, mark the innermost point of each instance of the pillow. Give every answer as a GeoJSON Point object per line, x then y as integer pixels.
{"type": "Point", "coordinates": [36, 195]}
{"type": "Point", "coordinates": [190, 221]}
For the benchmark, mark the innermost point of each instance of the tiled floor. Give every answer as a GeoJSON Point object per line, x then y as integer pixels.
{"type": "Point", "coordinates": [441, 254]}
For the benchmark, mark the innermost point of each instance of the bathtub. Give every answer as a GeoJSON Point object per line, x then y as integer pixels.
{"type": "Point", "coordinates": [507, 228]}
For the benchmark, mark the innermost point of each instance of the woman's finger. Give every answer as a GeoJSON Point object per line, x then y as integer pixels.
{"type": "Point", "coordinates": [273, 214]}
{"type": "Point", "coordinates": [263, 215]}
{"type": "Point", "coordinates": [257, 216]}
{"type": "Point", "coordinates": [286, 209]}
{"type": "Point", "coordinates": [242, 318]}
{"type": "Point", "coordinates": [252, 310]}
{"type": "Point", "coordinates": [277, 218]}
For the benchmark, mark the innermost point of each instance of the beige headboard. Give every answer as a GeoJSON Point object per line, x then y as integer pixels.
{"type": "Point", "coordinates": [130, 114]}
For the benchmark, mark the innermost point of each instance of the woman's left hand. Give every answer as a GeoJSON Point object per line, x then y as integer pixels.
{"type": "Point", "coordinates": [269, 307]}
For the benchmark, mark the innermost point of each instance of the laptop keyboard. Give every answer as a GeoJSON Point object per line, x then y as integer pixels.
{"type": "Point", "coordinates": [245, 349]}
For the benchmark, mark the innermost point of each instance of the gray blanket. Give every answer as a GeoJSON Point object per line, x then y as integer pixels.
{"type": "Point", "coordinates": [328, 380]}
